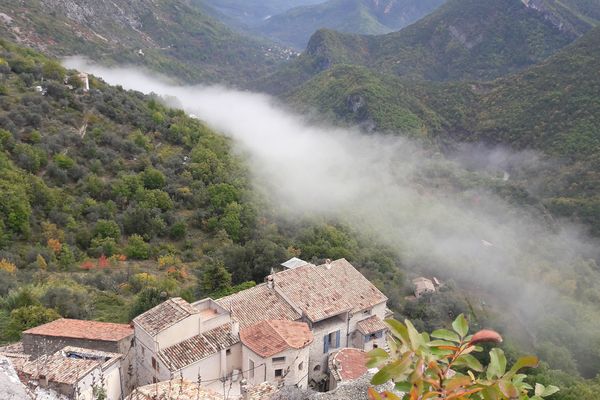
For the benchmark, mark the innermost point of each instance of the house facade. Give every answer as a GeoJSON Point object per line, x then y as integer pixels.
{"type": "Point", "coordinates": [339, 305]}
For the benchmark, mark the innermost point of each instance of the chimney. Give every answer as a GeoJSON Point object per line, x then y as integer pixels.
{"type": "Point", "coordinates": [328, 263]}
{"type": "Point", "coordinates": [270, 282]}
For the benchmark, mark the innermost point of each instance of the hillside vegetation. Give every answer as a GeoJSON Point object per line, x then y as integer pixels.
{"type": "Point", "coordinates": [173, 38]}
{"type": "Point", "coordinates": [109, 202]}
{"type": "Point", "coordinates": [461, 40]}
{"type": "Point", "coordinates": [553, 107]}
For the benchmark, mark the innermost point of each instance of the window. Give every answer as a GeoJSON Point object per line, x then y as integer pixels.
{"type": "Point", "coordinates": [228, 352]}
{"type": "Point", "coordinates": [154, 380]}
{"type": "Point", "coordinates": [251, 368]}
{"type": "Point", "coordinates": [331, 341]}
{"type": "Point", "coordinates": [278, 373]}
{"type": "Point", "coordinates": [301, 366]}
{"type": "Point", "coordinates": [277, 360]}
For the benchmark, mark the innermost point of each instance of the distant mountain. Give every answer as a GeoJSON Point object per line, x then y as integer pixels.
{"type": "Point", "coordinates": [248, 13]}
{"type": "Point", "coordinates": [171, 37]}
{"type": "Point", "coordinates": [463, 39]}
{"type": "Point", "coordinates": [296, 26]}
{"type": "Point", "coordinates": [553, 107]}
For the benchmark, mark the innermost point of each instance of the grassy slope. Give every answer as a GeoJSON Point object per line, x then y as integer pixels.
{"type": "Point", "coordinates": [177, 39]}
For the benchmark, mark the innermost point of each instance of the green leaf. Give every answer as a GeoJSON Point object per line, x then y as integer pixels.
{"type": "Point", "coordinates": [543, 391]}
{"type": "Point", "coordinates": [497, 365]}
{"type": "Point", "coordinates": [376, 357]}
{"type": "Point", "coordinates": [445, 335]}
{"type": "Point", "coordinates": [437, 343]}
{"type": "Point", "coordinates": [391, 371]}
{"type": "Point", "coordinates": [460, 325]}
{"type": "Point", "coordinates": [403, 387]}
{"type": "Point", "coordinates": [550, 390]}
{"type": "Point", "coordinates": [398, 330]}
{"type": "Point", "coordinates": [469, 361]}
{"type": "Point", "coordinates": [539, 389]}
{"type": "Point", "coordinates": [415, 337]}
{"type": "Point", "coordinates": [523, 362]}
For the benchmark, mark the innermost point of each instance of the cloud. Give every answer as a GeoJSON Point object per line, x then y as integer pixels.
{"type": "Point", "coordinates": [436, 212]}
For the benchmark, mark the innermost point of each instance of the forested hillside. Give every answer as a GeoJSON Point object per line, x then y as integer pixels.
{"type": "Point", "coordinates": [553, 107]}
{"type": "Point", "coordinates": [109, 202]}
{"type": "Point", "coordinates": [173, 38]}
{"type": "Point", "coordinates": [461, 40]}
{"type": "Point", "coordinates": [296, 26]}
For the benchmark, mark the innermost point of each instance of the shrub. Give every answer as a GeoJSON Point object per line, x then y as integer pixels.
{"type": "Point", "coordinates": [137, 248]}
{"type": "Point", "coordinates": [445, 368]}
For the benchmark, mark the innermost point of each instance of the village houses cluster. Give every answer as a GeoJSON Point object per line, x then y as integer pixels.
{"type": "Point", "coordinates": [306, 325]}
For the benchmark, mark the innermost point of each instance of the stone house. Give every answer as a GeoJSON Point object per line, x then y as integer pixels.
{"type": "Point", "coordinates": [423, 286]}
{"type": "Point", "coordinates": [346, 365]}
{"type": "Point", "coordinates": [276, 351]}
{"type": "Point", "coordinates": [77, 373]}
{"type": "Point", "coordinates": [111, 338]}
{"type": "Point", "coordinates": [341, 307]}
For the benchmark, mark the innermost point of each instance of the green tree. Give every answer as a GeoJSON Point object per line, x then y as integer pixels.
{"type": "Point", "coordinates": [215, 278]}
{"type": "Point", "coordinates": [28, 317]}
{"type": "Point", "coordinates": [107, 229]}
{"type": "Point", "coordinates": [146, 299]}
{"type": "Point", "coordinates": [137, 248]}
{"type": "Point", "coordinates": [153, 179]}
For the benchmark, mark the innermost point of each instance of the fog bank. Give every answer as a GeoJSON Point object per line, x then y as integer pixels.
{"type": "Point", "coordinates": [430, 209]}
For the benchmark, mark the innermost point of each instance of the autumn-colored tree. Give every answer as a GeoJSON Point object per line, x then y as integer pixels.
{"type": "Point", "coordinates": [7, 266]}
{"type": "Point", "coordinates": [445, 369]}
{"type": "Point", "coordinates": [54, 245]}
{"type": "Point", "coordinates": [103, 262]}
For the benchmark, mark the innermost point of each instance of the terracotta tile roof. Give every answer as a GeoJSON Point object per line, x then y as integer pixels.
{"type": "Point", "coordinates": [327, 290]}
{"type": "Point", "coordinates": [371, 325]}
{"type": "Point", "coordinates": [174, 390]}
{"type": "Point", "coordinates": [59, 369]}
{"type": "Point", "coordinates": [268, 338]}
{"type": "Point", "coordinates": [257, 304]}
{"type": "Point", "coordinates": [80, 329]}
{"type": "Point", "coordinates": [348, 364]}
{"type": "Point", "coordinates": [262, 391]}
{"type": "Point", "coordinates": [164, 315]}
{"type": "Point", "coordinates": [196, 348]}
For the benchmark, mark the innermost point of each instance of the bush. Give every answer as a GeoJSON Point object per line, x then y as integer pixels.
{"type": "Point", "coordinates": [137, 248]}
{"type": "Point", "coordinates": [28, 317]}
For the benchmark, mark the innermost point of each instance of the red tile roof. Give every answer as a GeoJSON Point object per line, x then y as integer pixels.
{"type": "Point", "coordinates": [271, 337]}
{"type": "Point", "coordinates": [80, 329]}
{"type": "Point", "coordinates": [371, 325]}
{"type": "Point", "coordinates": [327, 290]}
{"type": "Point", "coordinates": [348, 364]}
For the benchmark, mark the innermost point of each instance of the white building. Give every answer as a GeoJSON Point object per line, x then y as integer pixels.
{"type": "Point", "coordinates": [341, 307]}
{"type": "Point", "coordinates": [276, 351]}
{"type": "Point", "coordinates": [289, 327]}
{"type": "Point", "coordinates": [199, 343]}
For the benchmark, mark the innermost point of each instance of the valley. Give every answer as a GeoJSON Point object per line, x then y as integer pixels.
{"type": "Point", "coordinates": [453, 139]}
